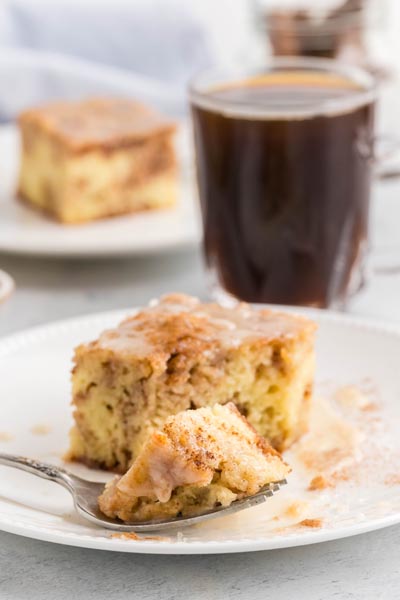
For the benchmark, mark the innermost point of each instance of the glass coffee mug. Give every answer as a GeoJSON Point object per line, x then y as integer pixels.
{"type": "Point", "coordinates": [285, 159]}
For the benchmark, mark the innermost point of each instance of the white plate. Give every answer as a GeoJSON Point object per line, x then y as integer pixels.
{"type": "Point", "coordinates": [25, 231]}
{"type": "Point", "coordinates": [35, 418]}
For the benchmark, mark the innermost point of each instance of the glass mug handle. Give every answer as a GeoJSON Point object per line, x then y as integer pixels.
{"type": "Point", "coordinates": [386, 165]}
{"type": "Point", "coordinates": [386, 158]}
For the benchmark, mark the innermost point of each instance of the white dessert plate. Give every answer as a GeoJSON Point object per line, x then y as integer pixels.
{"type": "Point", "coordinates": [26, 231]}
{"type": "Point", "coordinates": [353, 441]}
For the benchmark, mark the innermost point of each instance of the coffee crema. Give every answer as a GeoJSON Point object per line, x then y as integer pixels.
{"type": "Point", "coordinates": [283, 164]}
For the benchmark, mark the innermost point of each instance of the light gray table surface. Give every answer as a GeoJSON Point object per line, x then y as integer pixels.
{"type": "Point", "coordinates": [362, 567]}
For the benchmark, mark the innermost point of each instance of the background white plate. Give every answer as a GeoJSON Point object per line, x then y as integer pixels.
{"type": "Point", "coordinates": [35, 418]}
{"type": "Point", "coordinates": [25, 231]}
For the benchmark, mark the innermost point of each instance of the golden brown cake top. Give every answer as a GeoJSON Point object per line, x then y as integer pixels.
{"type": "Point", "coordinates": [98, 122]}
{"type": "Point", "coordinates": [178, 326]}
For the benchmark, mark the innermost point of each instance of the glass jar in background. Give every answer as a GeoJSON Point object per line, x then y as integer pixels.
{"type": "Point", "coordinates": [352, 31]}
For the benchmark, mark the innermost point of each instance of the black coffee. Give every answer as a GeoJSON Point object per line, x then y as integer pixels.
{"type": "Point", "coordinates": [284, 198]}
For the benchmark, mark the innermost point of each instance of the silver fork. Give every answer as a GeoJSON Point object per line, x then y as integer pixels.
{"type": "Point", "coordinates": [85, 494]}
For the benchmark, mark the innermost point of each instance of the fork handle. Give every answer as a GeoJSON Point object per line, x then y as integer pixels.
{"type": "Point", "coordinates": [40, 469]}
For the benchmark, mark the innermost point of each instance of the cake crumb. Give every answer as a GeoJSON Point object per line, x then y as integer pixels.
{"type": "Point", "coordinates": [126, 535]}
{"type": "Point", "coordinates": [131, 535]}
{"type": "Point", "coordinates": [294, 528]}
{"type": "Point", "coordinates": [313, 523]}
{"type": "Point", "coordinates": [295, 509]}
{"type": "Point", "coordinates": [6, 437]}
{"type": "Point", "coordinates": [40, 429]}
{"type": "Point", "coordinates": [322, 482]}
{"type": "Point", "coordinates": [350, 396]}
{"type": "Point", "coordinates": [393, 479]}
{"type": "Point", "coordinates": [319, 482]}
{"type": "Point", "coordinates": [343, 474]}
{"type": "Point", "coordinates": [370, 407]}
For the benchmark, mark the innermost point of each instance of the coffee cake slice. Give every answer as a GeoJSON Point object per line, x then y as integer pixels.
{"type": "Point", "coordinates": [179, 354]}
{"type": "Point", "coordinates": [200, 459]}
{"type": "Point", "coordinates": [96, 158]}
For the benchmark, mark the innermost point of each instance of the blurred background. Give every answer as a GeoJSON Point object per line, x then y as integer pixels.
{"type": "Point", "coordinates": [149, 50]}
{"type": "Point", "coordinates": [152, 48]}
